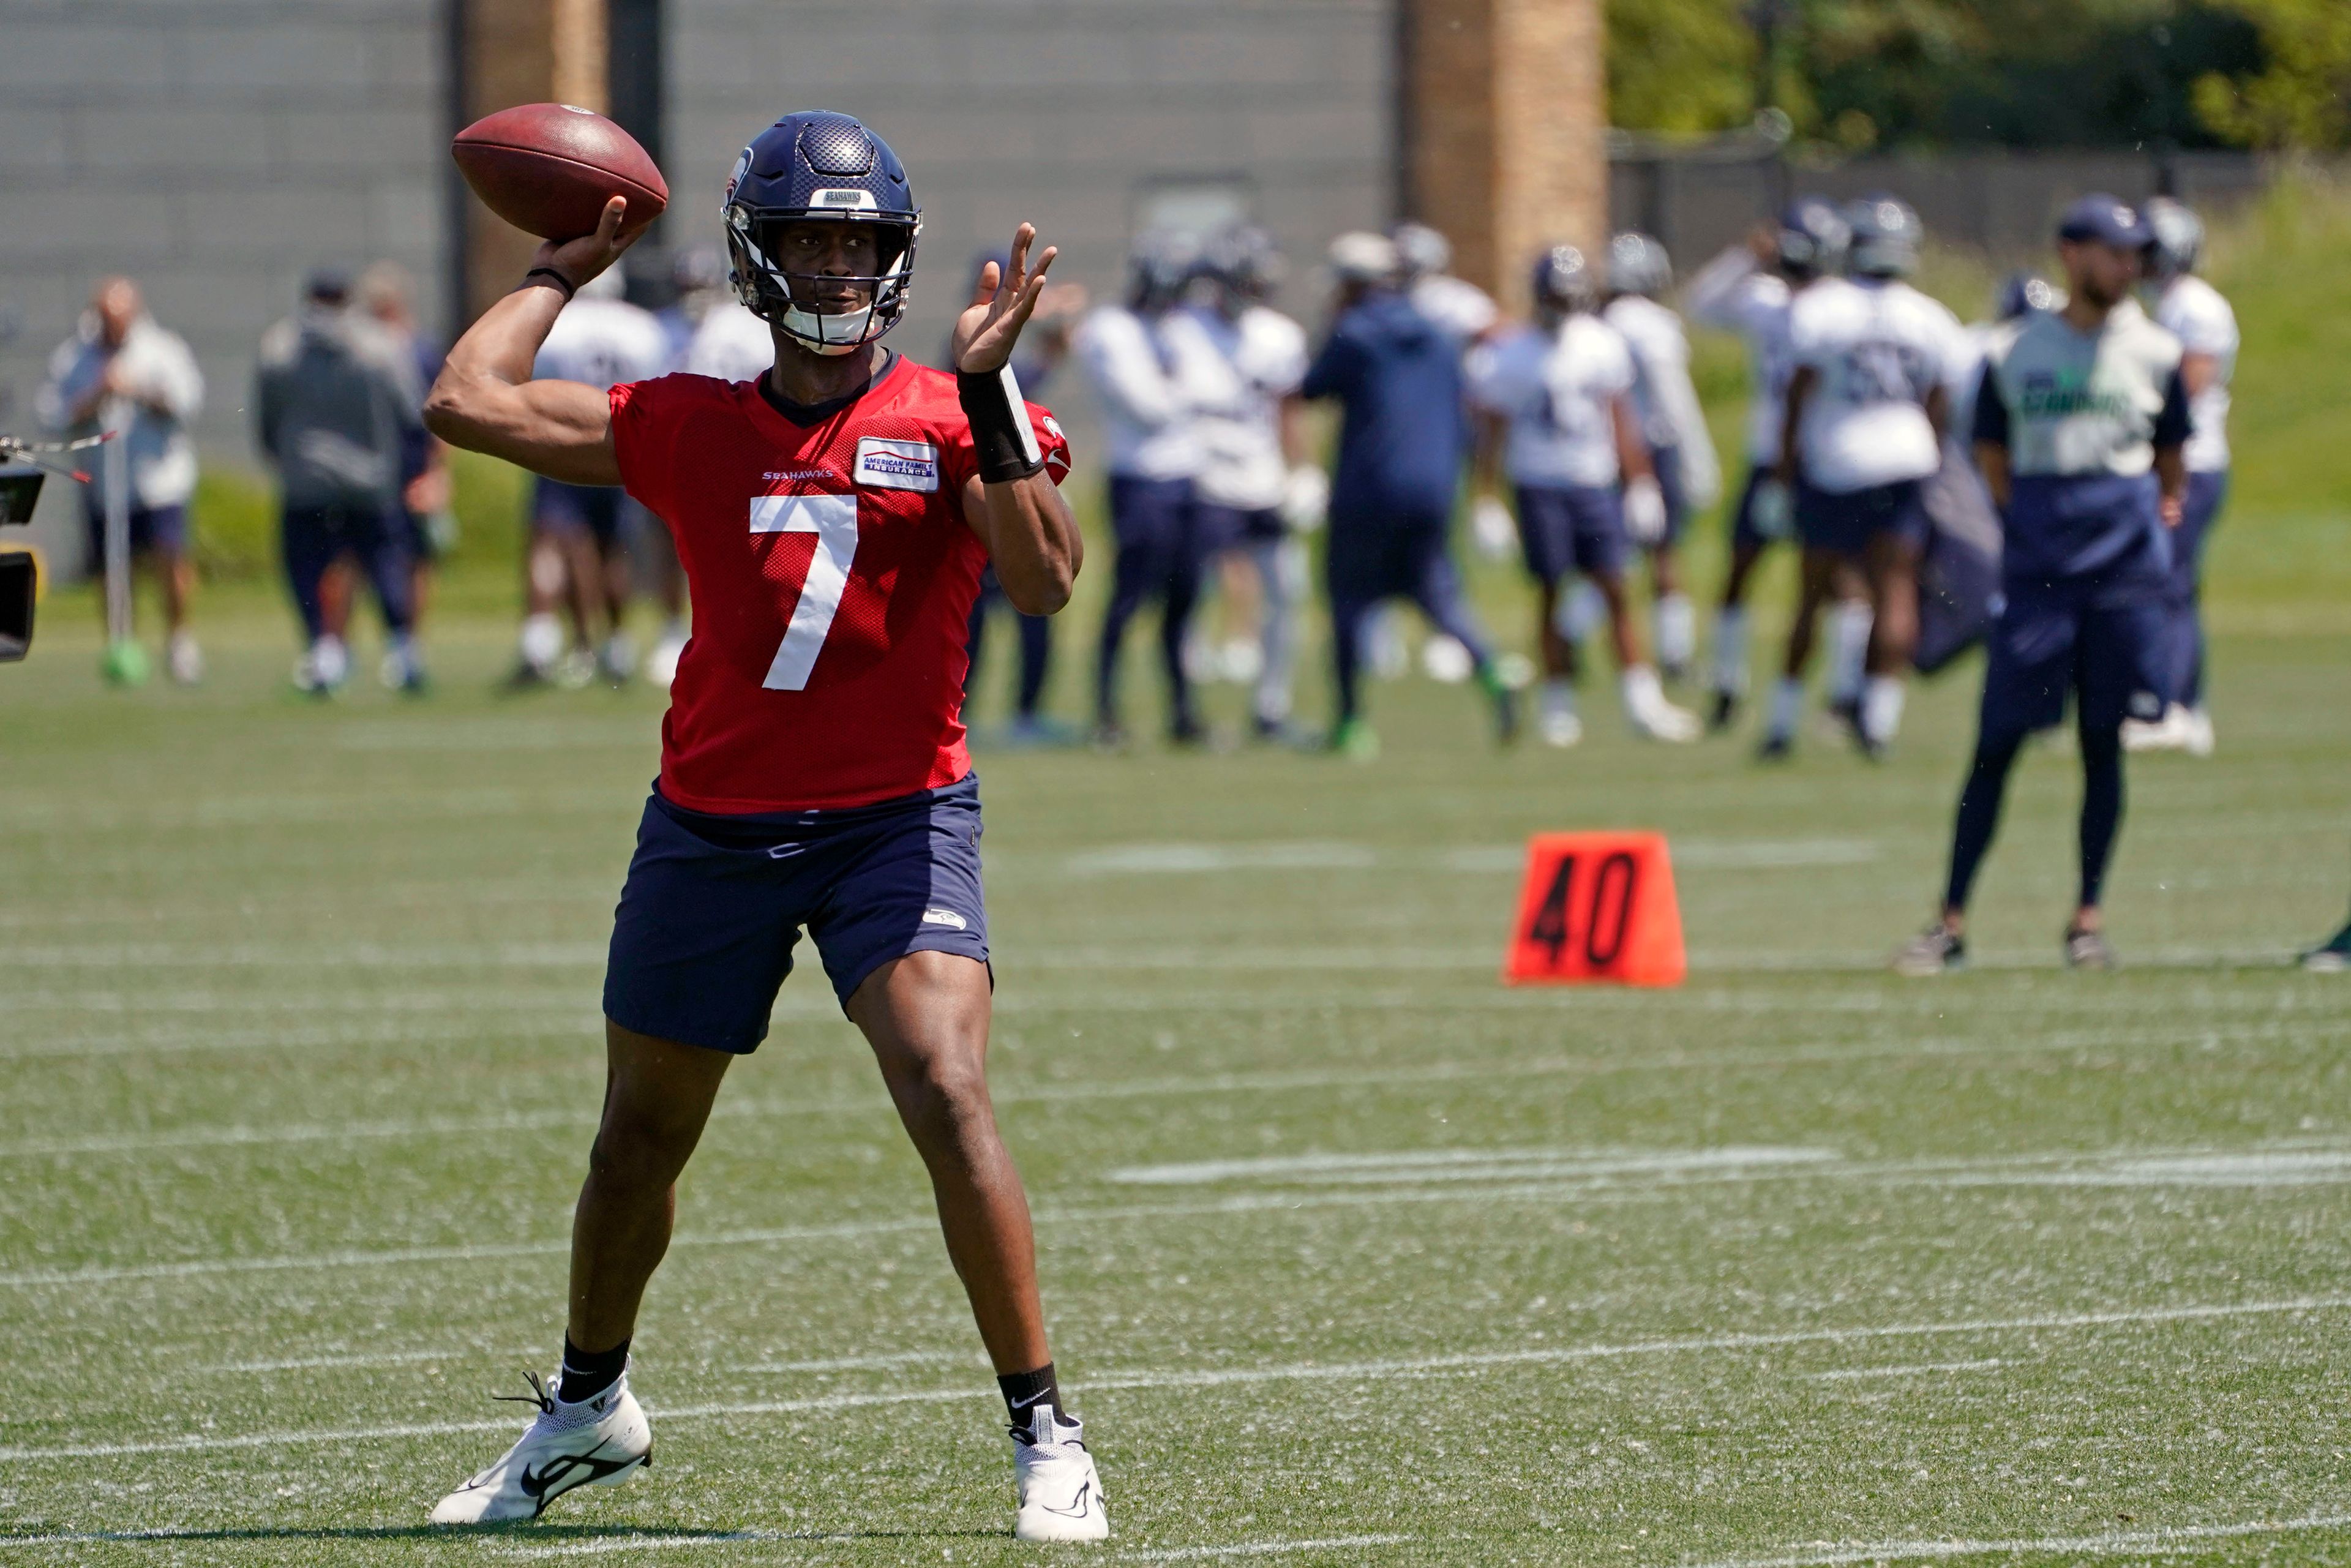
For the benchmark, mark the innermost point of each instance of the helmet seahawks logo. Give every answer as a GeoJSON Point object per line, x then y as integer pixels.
{"type": "Point", "coordinates": [742, 167]}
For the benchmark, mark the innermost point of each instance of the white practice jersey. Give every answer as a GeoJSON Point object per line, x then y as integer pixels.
{"type": "Point", "coordinates": [603, 343]}
{"type": "Point", "coordinates": [1732, 294]}
{"type": "Point", "coordinates": [1880, 350]}
{"type": "Point", "coordinates": [731, 344]}
{"type": "Point", "coordinates": [1464, 310]}
{"type": "Point", "coordinates": [2193, 311]}
{"type": "Point", "coordinates": [1663, 394]}
{"type": "Point", "coordinates": [1558, 391]}
{"type": "Point", "coordinates": [1148, 419]}
{"type": "Point", "coordinates": [1237, 373]}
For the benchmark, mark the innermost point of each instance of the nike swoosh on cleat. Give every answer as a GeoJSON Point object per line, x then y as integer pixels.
{"type": "Point", "coordinates": [1077, 1509]}
{"type": "Point", "coordinates": [553, 1478]}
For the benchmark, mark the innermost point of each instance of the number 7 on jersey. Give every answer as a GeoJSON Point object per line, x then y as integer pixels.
{"type": "Point", "coordinates": [833, 520]}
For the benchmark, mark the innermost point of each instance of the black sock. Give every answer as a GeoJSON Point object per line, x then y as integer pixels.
{"type": "Point", "coordinates": [1023, 1391]}
{"type": "Point", "coordinates": [588, 1373]}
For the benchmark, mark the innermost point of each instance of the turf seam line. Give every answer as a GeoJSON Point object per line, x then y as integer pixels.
{"type": "Point", "coordinates": [1203, 1377]}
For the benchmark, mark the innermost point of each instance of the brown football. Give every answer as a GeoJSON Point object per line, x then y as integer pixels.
{"type": "Point", "coordinates": [548, 168]}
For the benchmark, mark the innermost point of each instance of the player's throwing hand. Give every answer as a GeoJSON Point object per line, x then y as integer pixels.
{"type": "Point", "coordinates": [1001, 303]}
{"type": "Point", "coordinates": [578, 260]}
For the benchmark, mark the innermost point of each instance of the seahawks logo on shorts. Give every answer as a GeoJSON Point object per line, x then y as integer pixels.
{"type": "Point", "coordinates": [946, 917]}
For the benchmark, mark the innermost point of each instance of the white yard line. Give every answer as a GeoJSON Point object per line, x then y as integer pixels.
{"type": "Point", "coordinates": [2161, 1540]}
{"type": "Point", "coordinates": [1260, 1548]}
{"type": "Point", "coordinates": [1649, 1183]}
{"type": "Point", "coordinates": [1372, 1371]}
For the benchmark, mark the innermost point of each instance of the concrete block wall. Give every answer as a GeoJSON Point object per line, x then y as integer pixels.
{"type": "Point", "coordinates": [1065, 112]}
{"type": "Point", "coordinates": [214, 150]}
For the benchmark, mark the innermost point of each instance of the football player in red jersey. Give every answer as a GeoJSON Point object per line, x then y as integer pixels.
{"type": "Point", "coordinates": [833, 518]}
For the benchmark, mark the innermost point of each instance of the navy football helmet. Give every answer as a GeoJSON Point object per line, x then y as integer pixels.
{"type": "Point", "coordinates": [1886, 236]}
{"type": "Point", "coordinates": [1246, 266]}
{"type": "Point", "coordinates": [1638, 265]}
{"type": "Point", "coordinates": [2178, 243]}
{"type": "Point", "coordinates": [1421, 251]}
{"type": "Point", "coordinates": [1812, 237]}
{"type": "Point", "coordinates": [827, 167]}
{"type": "Point", "coordinates": [1160, 265]}
{"type": "Point", "coordinates": [1564, 283]}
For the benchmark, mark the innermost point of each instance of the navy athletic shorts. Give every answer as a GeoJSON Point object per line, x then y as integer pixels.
{"type": "Point", "coordinates": [1845, 522]}
{"type": "Point", "coordinates": [713, 906]}
{"type": "Point", "coordinates": [1572, 528]}
{"type": "Point", "coordinates": [2099, 639]}
{"type": "Point", "coordinates": [163, 528]}
{"type": "Point", "coordinates": [1220, 529]}
{"type": "Point", "coordinates": [1744, 534]}
{"type": "Point", "coordinates": [593, 509]}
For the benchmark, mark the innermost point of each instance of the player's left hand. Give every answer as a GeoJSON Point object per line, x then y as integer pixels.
{"type": "Point", "coordinates": [1001, 303]}
{"type": "Point", "coordinates": [2173, 509]}
{"type": "Point", "coordinates": [1644, 511]}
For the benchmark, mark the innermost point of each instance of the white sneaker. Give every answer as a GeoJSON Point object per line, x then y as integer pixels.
{"type": "Point", "coordinates": [184, 660]}
{"type": "Point", "coordinates": [1060, 1494]}
{"type": "Point", "coordinates": [596, 1442]}
{"type": "Point", "coordinates": [617, 660]}
{"type": "Point", "coordinates": [1652, 716]}
{"type": "Point", "coordinates": [324, 668]}
{"type": "Point", "coordinates": [2199, 733]}
{"type": "Point", "coordinates": [2173, 732]}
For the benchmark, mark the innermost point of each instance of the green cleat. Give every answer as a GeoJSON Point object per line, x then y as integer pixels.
{"type": "Point", "coordinates": [1356, 741]}
{"type": "Point", "coordinates": [124, 664]}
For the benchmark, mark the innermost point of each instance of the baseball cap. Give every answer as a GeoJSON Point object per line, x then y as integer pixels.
{"type": "Point", "coordinates": [2108, 220]}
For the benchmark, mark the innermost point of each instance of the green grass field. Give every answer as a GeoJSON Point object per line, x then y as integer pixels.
{"type": "Point", "coordinates": [1352, 1254]}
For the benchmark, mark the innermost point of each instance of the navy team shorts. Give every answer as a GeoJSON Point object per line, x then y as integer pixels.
{"type": "Point", "coordinates": [2097, 640]}
{"type": "Point", "coordinates": [1220, 529]}
{"type": "Point", "coordinates": [713, 906]}
{"type": "Point", "coordinates": [1845, 522]}
{"type": "Point", "coordinates": [1744, 532]}
{"type": "Point", "coordinates": [162, 529]}
{"type": "Point", "coordinates": [592, 510]}
{"type": "Point", "coordinates": [1572, 528]}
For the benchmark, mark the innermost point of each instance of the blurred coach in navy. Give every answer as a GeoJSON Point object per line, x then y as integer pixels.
{"type": "Point", "coordinates": [1404, 438]}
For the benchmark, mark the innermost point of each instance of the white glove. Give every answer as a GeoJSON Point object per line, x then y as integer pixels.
{"type": "Point", "coordinates": [1491, 529]}
{"type": "Point", "coordinates": [1306, 499]}
{"type": "Point", "coordinates": [1644, 511]}
{"type": "Point", "coordinates": [1773, 511]}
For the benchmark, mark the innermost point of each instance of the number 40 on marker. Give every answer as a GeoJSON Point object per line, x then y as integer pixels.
{"type": "Point", "coordinates": [1597, 906]}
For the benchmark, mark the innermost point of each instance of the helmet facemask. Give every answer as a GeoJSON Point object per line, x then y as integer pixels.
{"type": "Point", "coordinates": [787, 300]}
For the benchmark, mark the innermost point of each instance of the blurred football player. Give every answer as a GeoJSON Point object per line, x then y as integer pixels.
{"type": "Point", "coordinates": [122, 373]}
{"type": "Point", "coordinates": [579, 551]}
{"type": "Point", "coordinates": [1748, 289]}
{"type": "Point", "coordinates": [2080, 425]}
{"type": "Point", "coordinates": [2193, 311]}
{"type": "Point", "coordinates": [833, 517]}
{"type": "Point", "coordinates": [1404, 437]}
{"type": "Point", "coordinates": [1558, 416]}
{"type": "Point", "coordinates": [1672, 426]}
{"type": "Point", "coordinates": [1424, 271]}
{"type": "Point", "coordinates": [388, 296]}
{"type": "Point", "coordinates": [1044, 345]}
{"type": "Point", "coordinates": [335, 398]}
{"type": "Point", "coordinates": [1153, 454]}
{"type": "Point", "coordinates": [1866, 407]}
{"type": "Point", "coordinates": [1250, 360]}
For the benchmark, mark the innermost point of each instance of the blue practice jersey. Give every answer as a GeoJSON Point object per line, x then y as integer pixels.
{"type": "Point", "coordinates": [1405, 434]}
{"type": "Point", "coordinates": [2081, 417]}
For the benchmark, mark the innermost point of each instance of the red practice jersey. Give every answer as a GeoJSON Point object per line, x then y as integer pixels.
{"type": "Point", "coordinates": [832, 573]}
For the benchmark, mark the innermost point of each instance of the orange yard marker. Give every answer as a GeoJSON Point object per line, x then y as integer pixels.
{"type": "Point", "coordinates": [1597, 907]}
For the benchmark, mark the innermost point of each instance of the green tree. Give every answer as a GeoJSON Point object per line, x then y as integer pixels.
{"type": "Point", "coordinates": [1679, 66]}
{"type": "Point", "coordinates": [2302, 95]}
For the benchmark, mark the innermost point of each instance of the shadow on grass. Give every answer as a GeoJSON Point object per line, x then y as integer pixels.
{"type": "Point", "coordinates": [521, 1529]}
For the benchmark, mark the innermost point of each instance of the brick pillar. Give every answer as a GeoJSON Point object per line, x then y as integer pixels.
{"type": "Point", "coordinates": [522, 51]}
{"type": "Point", "coordinates": [1506, 104]}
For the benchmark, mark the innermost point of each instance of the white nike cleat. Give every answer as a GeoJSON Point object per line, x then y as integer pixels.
{"type": "Point", "coordinates": [1060, 1494]}
{"type": "Point", "coordinates": [2172, 732]}
{"type": "Point", "coordinates": [596, 1442]}
{"type": "Point", "coordinates": [1651, 715]}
